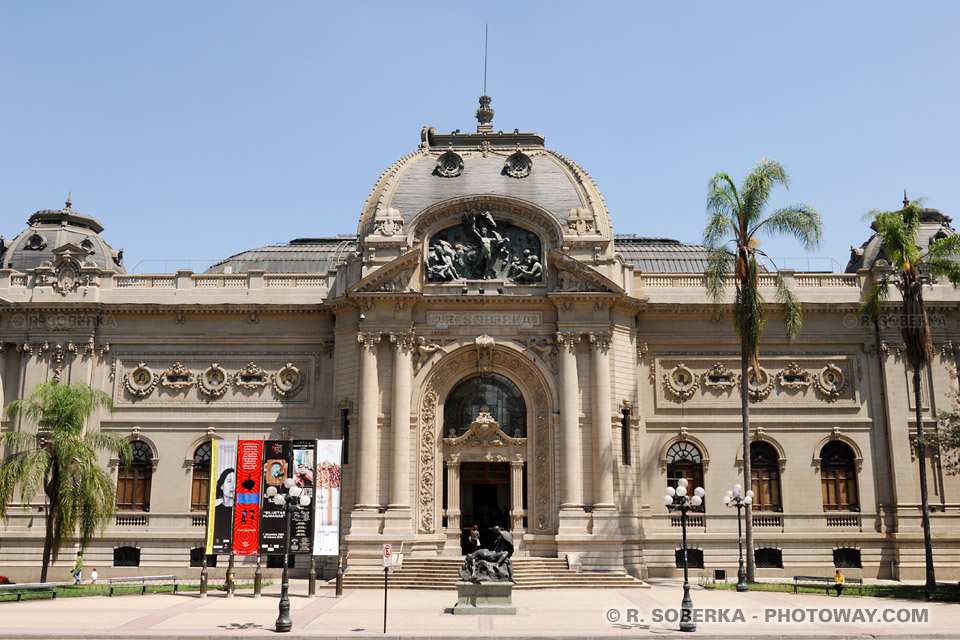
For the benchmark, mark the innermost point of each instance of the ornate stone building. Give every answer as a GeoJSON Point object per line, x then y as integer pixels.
{"type": "Point", "coordinates": [493, 354]}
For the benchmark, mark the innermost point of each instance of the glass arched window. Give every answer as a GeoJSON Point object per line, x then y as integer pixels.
{"type": "Point", "coordinates": [684, 460]}
{"type": "Point", "coordinates": [200, 487]}
{"type": "Point", "coordinates": [765, 475]}
{"type": "Point", "coordinates": [838, 477]}
{"type": "Point", "coordinates": [494, 391]}
{"type": "Point", "coordinates": [133, 482]}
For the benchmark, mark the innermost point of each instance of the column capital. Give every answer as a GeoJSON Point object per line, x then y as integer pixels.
{"type": "Point", "coordinates": [402, 341]}
{"type": "Point", "coordinates": [570, 340]}
{"type": "Point", "coordinates": [599, 339]}
{"type": "Point", "coordinates": [368, 339]}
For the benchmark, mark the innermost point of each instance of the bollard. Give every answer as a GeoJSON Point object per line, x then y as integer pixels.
{"type": "Point", "coordinates": [203, 578]}
{"type": "Point", "coordinates": [312, 585]}
{"type": "Point", "coordinates": [339, 581]}
{"type": "Point", "coordinates": [257, 580]}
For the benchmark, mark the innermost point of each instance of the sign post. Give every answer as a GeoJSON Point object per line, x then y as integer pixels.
{"type": "Point", "coordinates": [387, 553]}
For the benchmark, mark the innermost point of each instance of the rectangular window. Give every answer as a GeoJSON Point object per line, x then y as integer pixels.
{"type": "Point", "coordinates": [345, 431]}
{"type": "Point", "coordinates": [768, 558]}
{"type": "Point", "coordinates": [625, 436]}
{"type": "Point", "coordinates": [200, 490]}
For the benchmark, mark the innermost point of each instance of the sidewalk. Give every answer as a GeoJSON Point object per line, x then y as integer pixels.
{"type": "Point", "coordinates": [581, 613]}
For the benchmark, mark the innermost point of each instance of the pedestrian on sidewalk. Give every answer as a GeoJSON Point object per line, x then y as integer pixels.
{"type": "Point", "coordinates": [838, 582]}
{"type": "Point", "coordinates": [77, 569]}
{"type": "Point", "coordinates": [93, 576]}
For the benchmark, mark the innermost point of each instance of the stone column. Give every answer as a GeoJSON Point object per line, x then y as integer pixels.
{"type": "Point", "coordinates": [602, 439]}
{"type": "Point", "coordinates": [571, 490]}
{"type": "Point", "coordinates": [369, 446]}
{"type": "Point", "coordinates": [516, 496]}
{"type": "Point", "coordinates": [453, 533]}
{"type": "Point", "coordinates": [400, 422]}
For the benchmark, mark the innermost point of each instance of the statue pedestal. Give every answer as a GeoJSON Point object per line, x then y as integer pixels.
{"type": "Point", "coordinates": [485, 598]}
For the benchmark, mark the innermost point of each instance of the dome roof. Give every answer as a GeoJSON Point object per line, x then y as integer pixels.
{"type": "Point", "coordinates": [303, 255]}
{"type": "Point", "coordinates": [50, 229]}
{"type": "Point", "coordinates": [933, 225]}
{"type": "Point", "coordinates": [454, 165]}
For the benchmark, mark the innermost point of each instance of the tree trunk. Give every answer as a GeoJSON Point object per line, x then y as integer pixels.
{"type": "Point", "coordinates": [924, 498]}
{"type": "Point", "coordinates": [50, 490]}
{"type": "Point", "coordinates": [747, 475]}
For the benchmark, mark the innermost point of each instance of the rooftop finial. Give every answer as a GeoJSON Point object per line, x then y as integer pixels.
{"type": "Point", "coordinates": [485, 113]}
{"type": "Point", "coordinates": [68, 203]}
{"type": "Point", "coordinates": [906, 200]}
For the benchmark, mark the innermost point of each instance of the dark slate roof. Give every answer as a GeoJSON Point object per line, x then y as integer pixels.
{"type": "Point", "coordinates": [933, 225]}
{"type": "Point", "coordinates": [304, 255]}
{"type": "Point", "coordinates": [662, 255]}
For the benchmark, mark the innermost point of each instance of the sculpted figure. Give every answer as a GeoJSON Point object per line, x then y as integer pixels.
{"type": "Point", "coordinates": [530, 270]}
{"type": "Point", "coordinates": [491, 243]}
{"type": "Point", "coordinates": [484, 565]}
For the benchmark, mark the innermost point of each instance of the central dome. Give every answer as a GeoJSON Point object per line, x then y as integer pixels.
{"type": "Point", "coordinates": [456, 165]}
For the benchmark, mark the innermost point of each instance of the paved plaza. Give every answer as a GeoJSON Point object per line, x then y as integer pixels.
{"type": "Point", "coordinates": [580, 613]}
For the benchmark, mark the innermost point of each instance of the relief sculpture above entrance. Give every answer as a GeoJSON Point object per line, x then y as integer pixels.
{"type": "Point", "coordinates": [483, 248]}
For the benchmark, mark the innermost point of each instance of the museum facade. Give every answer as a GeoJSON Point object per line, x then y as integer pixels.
{"type": "Point", "coordinates": [491, 354]}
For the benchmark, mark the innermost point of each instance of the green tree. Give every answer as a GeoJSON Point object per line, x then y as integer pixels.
{"type": "Point", "coordinates": [735, 219]}
{"type": "Point", "coordinates": [899, 233]}
{"type": "Point", "coordinates": [61, 459]}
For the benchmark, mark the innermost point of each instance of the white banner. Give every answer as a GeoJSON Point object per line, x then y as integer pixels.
{"type": "Point", "coordinates": [326, 531]}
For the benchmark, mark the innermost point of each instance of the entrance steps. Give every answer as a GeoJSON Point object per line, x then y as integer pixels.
{"type": "Point", "coordinates": [529, 573]}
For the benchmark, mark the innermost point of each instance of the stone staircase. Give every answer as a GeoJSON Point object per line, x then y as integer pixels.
{"type": "Point", "coordinates": [529, 573]}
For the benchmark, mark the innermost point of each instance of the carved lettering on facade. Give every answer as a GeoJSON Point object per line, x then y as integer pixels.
{"type": "Point", "coordinates": [444, 319]}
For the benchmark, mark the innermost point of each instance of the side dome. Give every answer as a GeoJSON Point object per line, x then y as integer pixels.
{"type": "Point", "coordinates": [456, 165]}
{"type": "Point", "coordinates": [933, 225]}
{"type": "Point", "coordinates": [52, 229]}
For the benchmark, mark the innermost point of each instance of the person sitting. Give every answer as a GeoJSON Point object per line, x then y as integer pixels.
{"type": "Point", "coordinates": [838, 581]}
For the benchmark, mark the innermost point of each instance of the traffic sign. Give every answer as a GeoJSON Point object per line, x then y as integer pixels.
{"type": "Point", "coordinates": [387, 553]}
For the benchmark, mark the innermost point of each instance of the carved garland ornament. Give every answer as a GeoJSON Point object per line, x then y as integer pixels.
{"type": "Point", "coordinates": [251, 377]}
{"type": "Point", "coordinates": [831, 381]}
{"type": "Point", "coordinates": [719, 377]}
{"type": "Point", "coordinates": [288, 381]}
{"type": "Point", "coordinates": [178, 377]}
{"type": "Point", "coordinates": [453, 367]}
{"type": "Point", "coordinates": [141, 381]}
{"type": "Point", "coordinates": [793, 376]}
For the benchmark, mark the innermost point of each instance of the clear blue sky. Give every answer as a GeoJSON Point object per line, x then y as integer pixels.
{"type": "Point", "coordinates": [201, 129]}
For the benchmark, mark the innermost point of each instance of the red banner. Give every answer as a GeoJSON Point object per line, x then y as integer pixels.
{"type": "Point", "coordinates": [246, 514]}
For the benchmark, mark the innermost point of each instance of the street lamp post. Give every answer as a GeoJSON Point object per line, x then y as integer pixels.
{"type": "Point", "coordinates": [735, 499]}
{"type": "Point", "coordinates": [678, 500]}
{"type": "Point", "coordinates": [292, 500]}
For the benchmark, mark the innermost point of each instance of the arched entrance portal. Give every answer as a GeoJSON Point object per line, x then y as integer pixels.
{"type": "Point", "coordinates": [498, 377]}
{"type": "Point", "coordinates": [481, 413]}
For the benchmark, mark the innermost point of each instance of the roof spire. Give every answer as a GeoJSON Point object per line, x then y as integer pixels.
{"type": "Point", "coordinates": [68, 203]}
{"type": "Point", "coordinates": [906, 200]}
{"type": "Point", "coordinates": [485, 113]}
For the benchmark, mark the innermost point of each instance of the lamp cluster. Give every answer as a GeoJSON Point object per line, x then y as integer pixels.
{"type": "Point", "coordinates": [735, 498]}
{"type": "Point", "coordinates": [293, 490]}
{"type": "Point", "coordinates": [670, 499]}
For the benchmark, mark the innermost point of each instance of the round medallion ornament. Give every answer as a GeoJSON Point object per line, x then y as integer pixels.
{"type": "Point", "coordinates": [36, 242]}
{"type": "Point", "coordinates": [214, 381]}
{"type": "Point", "coordinates": [831, 382]}
{"type": "Point", "coordinates": [449, 165]}
{"type": "Point", "coordinates": [681, 382]}
{"type": "Point", "coordinates": [518, 165]}
{"type": "Point", "coordinates": [288, 381]}
{"type": "Point", "coordinates": [141, 381]}
{"type": "Point", "coordinates": [759, 383]}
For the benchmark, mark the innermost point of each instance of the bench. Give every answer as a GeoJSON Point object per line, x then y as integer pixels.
{"type": "Point", "coordinates": [950, 589]}
{"type": "Point", "coordinates": [827, 583]}
{"type": "Point", "coordinates": [141, 582]}
{"type": "Point", "coordinates": [32, 587]}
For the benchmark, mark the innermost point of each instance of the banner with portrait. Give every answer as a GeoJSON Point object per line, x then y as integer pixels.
{"type": "Point", "coordinates": [246, 514]}
{"type": "Point", "coordinates": [326, 537]}
{"type": "Point", "coordinates": [223, 494]}
{"type": "Point", "coordinates": [276, 469]}
{"type": "Point", "coordinates": [304, 473]}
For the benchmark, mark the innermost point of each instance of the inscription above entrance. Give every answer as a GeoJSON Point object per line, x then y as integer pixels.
{"type": "Point", "coordinates": [443, 320]}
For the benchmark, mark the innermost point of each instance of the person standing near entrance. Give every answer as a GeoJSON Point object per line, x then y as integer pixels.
{"type": "Point", "coordinates": [474, 539]}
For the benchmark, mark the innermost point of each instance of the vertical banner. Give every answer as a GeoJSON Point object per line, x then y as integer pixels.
{"type": "Point", "coordinates": [304, 472]}
{"type": "Point", "coordinates": [276, 468]}
{"type": "Point", "coordinates": [326, 537]}
{"type": "Point", "coordinates": [223, 494]}
{"type": "Point", "coordinates": [246, 515]}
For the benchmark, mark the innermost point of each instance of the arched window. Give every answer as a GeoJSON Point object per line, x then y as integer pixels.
{"type": "Point", "coordinates": [133, 482]}
{"type": "Point", "coordinates": [685, 461]}
{"type": "Point", "coordinates": [765, 475]}
{"type": "Point", "coordinates": [494, 391]}
{"type": "Point", "coordinates": [200, 487]}
{"type": "Point", "coordinates": [838, 477]}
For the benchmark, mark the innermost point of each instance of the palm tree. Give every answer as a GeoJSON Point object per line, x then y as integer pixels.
{"type": "Point", "coordinates": [61, 460]}
{"type": "Point", "coordinates": [734, 222]}
{"type": "Point", "coordinates": [899, 231]}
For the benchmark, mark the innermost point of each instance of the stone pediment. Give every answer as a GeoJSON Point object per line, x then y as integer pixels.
{"type": "Point", "coordinates": [574, 275]}
{"type": "Point", "coordinates": [394, 277]}
{"type": "Point", "coordinates": [485, 434]}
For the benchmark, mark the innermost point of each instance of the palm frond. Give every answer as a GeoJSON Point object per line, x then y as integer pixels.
{"type": "Point", "coordinates": [948, 247]}
{"type": "Point", "coordinates": [749, 316]}
{"type": "Point", "coordinates": [722, 196]}
{"type": "Point", "coordinates": [798, 220]}
{"type": "Point", "coordinates": [718, 267]}
{"type": "Point", "coordinates": [756, 188]}
{"type": "Point", "coordinates": [792, 313]}
{"type": "Point", "coordinates": [944, 267]}
{"type": "Point", "coordinates": [876, 296]}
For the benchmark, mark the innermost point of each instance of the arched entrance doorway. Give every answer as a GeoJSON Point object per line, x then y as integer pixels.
{"type": "Point", "coordinates": [483, 412]}
{"type": "Point", "coordinates": [526, 458]}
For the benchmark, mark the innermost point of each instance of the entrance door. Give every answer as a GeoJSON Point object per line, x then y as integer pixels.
{"type": "Point", "coordinates": [484, 500]}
